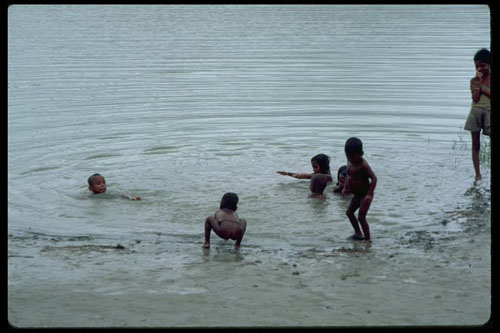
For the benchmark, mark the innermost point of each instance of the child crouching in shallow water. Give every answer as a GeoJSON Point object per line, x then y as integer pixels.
{"type": "Point", "coordinates": [225, 222]}
{"type": "Point", "coordinates": [358, 182]}
{"type": "Point", "coordinates": [319, 179]}
{"type": "Point", "coordinates": [97, 185]}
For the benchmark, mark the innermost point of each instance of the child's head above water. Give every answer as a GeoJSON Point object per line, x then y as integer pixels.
{"type": "Point", "coordinates": [353, 149]}
{"type": "Point", "coordinates": [97, 184]}
{"type": "Point", "coordinates": [229, 201]}
{"type": "Point", "coordinates": [321, 163]}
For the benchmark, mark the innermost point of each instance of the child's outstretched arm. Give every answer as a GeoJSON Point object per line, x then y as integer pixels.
{"type": "Point", "coordinates": [302, 175]}
{"type": "Point", "coordinates": [286, 173]}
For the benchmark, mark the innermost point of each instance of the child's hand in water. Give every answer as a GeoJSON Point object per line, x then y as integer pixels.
{"type": "Point", "coordinates": [130, 197]}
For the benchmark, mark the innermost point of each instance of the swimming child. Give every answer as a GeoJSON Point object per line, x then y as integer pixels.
{"type": "Point", "coordinates": [479, 115]}
{"type": "Point", "coordinates": [319, 179]}
{"type": "Point", "coordinates": [225, 222]}
{"type": "Point", "coordinates": [341, 175]}
{"type": "Point", "coordinates": [358, 182]}
{"type": "Point", "coordinates": [97, 185]}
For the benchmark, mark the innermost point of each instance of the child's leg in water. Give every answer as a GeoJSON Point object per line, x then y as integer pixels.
{"type": "Point", "coordinates": [211, 223]}
{"type": "Point", "coordinates": [363, 210]}
{"type": "Point", "coordinates": [243, 228]}
{"type": "Point", "coordinates": [353, 206]}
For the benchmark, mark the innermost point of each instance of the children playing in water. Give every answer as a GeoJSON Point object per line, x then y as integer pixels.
{"type": "Point", "coordinates": [97, 185]}
{"type": "Point", "coordinates": [361, 181]}
{"type": "Point", "coordinates": [319, 179]}
{"type": "Point", "coordinates": [479, 115]}
{"type": "Point", "coordinates": [225, 222]}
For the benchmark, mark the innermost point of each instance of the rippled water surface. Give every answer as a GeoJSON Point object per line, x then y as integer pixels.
{"type": "Point", "coordinates": [179, 104]}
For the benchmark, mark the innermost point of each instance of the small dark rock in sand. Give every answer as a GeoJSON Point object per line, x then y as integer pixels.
{"type": "Point", "coordinates": [119, 247]}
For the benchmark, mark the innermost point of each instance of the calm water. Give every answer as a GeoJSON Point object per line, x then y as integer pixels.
{"type": "Point", "coordinates": [179, 104]}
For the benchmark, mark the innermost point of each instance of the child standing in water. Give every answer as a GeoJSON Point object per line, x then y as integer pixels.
{"type": "Point", "coordinates": [479, 115]}
{"type": "Point", "coordinates": [358, 182]}
{"type": "Point", "coordinates": [319, 179]}
{"type": "Point", "coordinates": [225, 222]}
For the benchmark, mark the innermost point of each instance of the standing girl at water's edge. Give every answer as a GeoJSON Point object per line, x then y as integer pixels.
{"type": "Point", "coordinates": [479, 115]}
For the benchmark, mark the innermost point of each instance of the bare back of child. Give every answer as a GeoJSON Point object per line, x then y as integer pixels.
{"type": "Point", "coordinates": [318, 184]}
{"type": "Point", "coordinates": [225, 222]}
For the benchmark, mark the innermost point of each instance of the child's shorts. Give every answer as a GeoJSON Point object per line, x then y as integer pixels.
{"type": "Point", "coordinates": [478, 119]}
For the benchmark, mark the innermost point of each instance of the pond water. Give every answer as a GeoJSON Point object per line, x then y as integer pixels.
{"type": "Point", "coordinates": [180, 104]}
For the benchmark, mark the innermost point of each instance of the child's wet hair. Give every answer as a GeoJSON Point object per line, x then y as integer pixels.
{"type": "Point", "coordinates": [483, 55]}
{"type": "Point", "coordinates": [91, 178]}
{"type": "Point", "coordinates": [353, 146]}
{"type": "Point", "coordinates": [229, 201]}
{"type": "Point", "coordinates": [323, 162]}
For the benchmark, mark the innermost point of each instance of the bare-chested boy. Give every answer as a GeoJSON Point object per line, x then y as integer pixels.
{"type": "Point", "coordinates": [361, 181]}
{"type": "Point", "coordinates": [225, 222]}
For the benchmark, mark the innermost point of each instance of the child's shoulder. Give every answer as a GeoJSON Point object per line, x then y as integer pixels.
{"type": "Point", "coordinates": [320, 176]}
{"type": "Point", "coordinates": [365, 163]}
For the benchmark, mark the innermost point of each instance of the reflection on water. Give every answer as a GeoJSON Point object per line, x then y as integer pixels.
{"type": "Point", "coordinates": [222, 254]}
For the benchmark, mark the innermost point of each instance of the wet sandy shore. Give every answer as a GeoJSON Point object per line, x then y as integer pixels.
{"type": "Point", "coordinates": [421, 278]}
